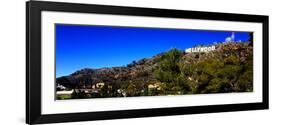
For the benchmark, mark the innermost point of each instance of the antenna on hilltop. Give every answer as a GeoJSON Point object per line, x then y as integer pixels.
{"type": "Point", "coordinates": [230, 38]}
{"type": "Point", "coordinates": [233, 37]}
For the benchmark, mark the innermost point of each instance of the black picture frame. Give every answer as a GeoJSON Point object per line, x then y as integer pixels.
{"type": "Point", "coordinates": [33, 61]}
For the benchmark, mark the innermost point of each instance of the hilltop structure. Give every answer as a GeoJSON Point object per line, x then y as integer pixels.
{"type": "Point", "coordinates": [231, 38]}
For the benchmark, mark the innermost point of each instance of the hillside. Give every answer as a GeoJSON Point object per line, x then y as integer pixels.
{"type": "Point", "coordinates": [229, 68]}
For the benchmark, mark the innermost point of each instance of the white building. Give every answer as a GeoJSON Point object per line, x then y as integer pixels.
{"type": "Point", "coordinates": [65, 92]}
{"type": "Point", "coordinates": [61, 87]}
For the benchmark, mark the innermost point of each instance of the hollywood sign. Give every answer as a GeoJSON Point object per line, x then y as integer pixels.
{"type": "Point", "coordinates": [200, 49]}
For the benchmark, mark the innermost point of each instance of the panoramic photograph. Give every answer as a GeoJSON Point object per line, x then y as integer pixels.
{"type": "Point", "coordinates": [94, 61]}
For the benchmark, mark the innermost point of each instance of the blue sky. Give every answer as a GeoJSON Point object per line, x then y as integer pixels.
{"type": "Point", "coordinates": [83, 46]}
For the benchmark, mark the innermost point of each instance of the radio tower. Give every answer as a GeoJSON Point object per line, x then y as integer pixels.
{"type": "Point", "coordinates": [232, 37]}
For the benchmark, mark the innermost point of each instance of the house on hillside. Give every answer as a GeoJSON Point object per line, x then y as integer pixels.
{"type": "Point", "coordinates": [155, 86]}
{"type": "Point", "coordinates": [60, 87]}
{"type": "Point", "coordinates": [98, 85]}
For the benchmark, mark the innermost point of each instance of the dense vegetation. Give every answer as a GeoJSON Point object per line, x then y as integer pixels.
{"type": "Point", "coordinates": [227, 69]}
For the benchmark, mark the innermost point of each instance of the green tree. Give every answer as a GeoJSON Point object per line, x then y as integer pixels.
{"type": "Point", "coordinates": [168, 71]}
{"type": "Point", "coordinates": [167, 68]}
